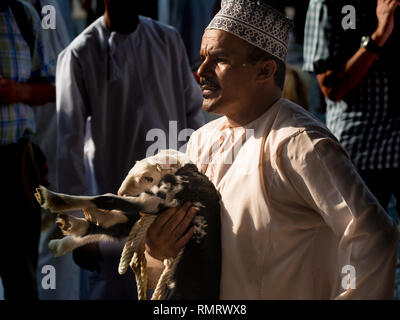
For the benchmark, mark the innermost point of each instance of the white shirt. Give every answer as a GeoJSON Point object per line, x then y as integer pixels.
{"type": "Point", "coordinates": [294, 211]}
{"type": "Point", "coordinates": [129, 85]}
{"type": "Point", "coordinates": [112, 90]}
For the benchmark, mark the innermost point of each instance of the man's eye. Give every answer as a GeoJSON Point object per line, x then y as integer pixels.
{"type": "Point", "coordinates": [148, 179]}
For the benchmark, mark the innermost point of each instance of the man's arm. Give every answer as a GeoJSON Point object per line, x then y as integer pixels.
{"type": "Point", "coordinates": [336, 84]}
{"type": "Point", "coordinates": [319, 170]}
{"type": "Point", "coordinates": [72, 112]}
{"type": "Point", "coordinates": [41, 90]}
{"type": "Point", "coordinates": [31, 94]}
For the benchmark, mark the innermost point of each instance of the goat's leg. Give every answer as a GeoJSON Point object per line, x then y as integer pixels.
{"type": "Point", "coordinates": [62, 246]}
{"type": "Point", "coordinates": [104, 218]}
{"type": "Point", "coordinates": [81, 231]}
{"type": "Point", "coordinates": [62, 202]}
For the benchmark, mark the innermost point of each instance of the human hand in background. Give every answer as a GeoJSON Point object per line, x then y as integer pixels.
{"type": "Point", "coordinates": [34, 94]}
{"type": "Point", "coordinates": [385, 10]}
{"type": "Point", "coordinates": [10, 91]}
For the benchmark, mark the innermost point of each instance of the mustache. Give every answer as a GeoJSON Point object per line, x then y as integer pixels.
{"type": "Point", "coordinates": [208, 83]}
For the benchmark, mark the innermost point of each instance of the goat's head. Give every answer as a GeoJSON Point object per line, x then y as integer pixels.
{"type": "Point", "coordinates": [149, 171]}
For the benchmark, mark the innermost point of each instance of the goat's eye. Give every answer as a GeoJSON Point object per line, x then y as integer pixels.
{"type": "Point", "coordinates": [148, 179]}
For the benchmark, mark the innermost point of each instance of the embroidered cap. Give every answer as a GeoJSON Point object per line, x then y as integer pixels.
{"type": "Point", "coordinates": [255, 22]}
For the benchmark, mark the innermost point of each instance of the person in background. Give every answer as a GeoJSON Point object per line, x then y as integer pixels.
{"type": "Point", "coordinates": [26, 82]}
{"type": "Point", "coordinates": [125, 77]}
{"type": "Point", "coordinates": [67, 286]}
{"type": "Point", "coordinates": [189, 18]}
{"type": "Point", "coordinates": [357, 70]}
{"type": "Point", "coordinates": [296, 87]}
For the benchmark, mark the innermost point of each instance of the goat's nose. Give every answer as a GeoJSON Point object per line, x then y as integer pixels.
{"type": "Point", "coordinates": [120, 192]}
{"type": "Point", "coordinates": [122, 189]}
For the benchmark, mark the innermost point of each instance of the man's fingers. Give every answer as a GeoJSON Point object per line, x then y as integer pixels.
{"type": "Point", "coordinates": [185, 239]}
{"type": "Point", "coordinates": [185, 223]}
{"type": "Point", "coordinates": [172, 225]}
{"type": "Point", "coordinates": [168, 235]}
{"type": "Point", "coordinates": [164, 217]}
{"type": "Point", "coordinates": [393, 4]}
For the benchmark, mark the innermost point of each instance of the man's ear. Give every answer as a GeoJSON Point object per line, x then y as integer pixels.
{"type": "Point", "coordinates": [267, 70]}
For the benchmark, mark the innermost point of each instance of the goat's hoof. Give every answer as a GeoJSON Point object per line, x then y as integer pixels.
{"type": "Point", "coordinates": [63, 223]}
{"type": "Point", "coordinates": [71, 225]}
{"type": "Point", "coordinates": [57, 248]}
{"type": "Point", "coordinates": [39, 196]}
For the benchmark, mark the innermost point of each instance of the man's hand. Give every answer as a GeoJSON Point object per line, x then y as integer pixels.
{"type": "Point", "coordinates": [10, 91]}
{"type": "Point", "coordinates": [34, 94]}
{"type": "Point", "coordinates": [335, 85]}
{"type": "Point", "coordinates": [166, 236]}
{"type": "Point", "coordinates": [385, 13]}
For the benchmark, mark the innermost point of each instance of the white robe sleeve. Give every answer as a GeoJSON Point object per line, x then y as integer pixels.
{"type": "Point", "coordinates": [72, 112]}
{"type": "Point", "coordinates": [322, 174]}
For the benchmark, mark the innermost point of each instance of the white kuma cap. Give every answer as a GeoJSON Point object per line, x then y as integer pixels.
{"type": "Point", "coordinates": [255, 22]}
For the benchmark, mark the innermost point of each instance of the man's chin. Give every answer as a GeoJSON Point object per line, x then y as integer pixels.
{"type": "Point", "coordinates": [210, 107]}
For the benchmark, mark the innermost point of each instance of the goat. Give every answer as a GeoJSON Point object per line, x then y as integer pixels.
{"type": "Point", "coordinates": [152, 185]}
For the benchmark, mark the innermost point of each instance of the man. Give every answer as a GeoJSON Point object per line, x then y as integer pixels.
{"type": "Point", "coordinates": [26, 77]}
{"type": "Point", "coordinates": [129, 75]}
{"type": "Point", "coordinates": [296, 216]}
{"type": "Point", "coordinates": [356, 63]}
{"type": "Point", "coordinates": [46, 138]}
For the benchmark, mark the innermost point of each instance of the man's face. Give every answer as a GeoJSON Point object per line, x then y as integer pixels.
{"type": "Point", "coordinates": [123, 14]}
{"type": "Point", "coordinates": [226, 76]}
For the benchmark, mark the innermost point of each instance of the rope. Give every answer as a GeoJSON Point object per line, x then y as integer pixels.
{"type": "Point", "coordinates": [136, 237]}
{"type": "Point", "coordinates": [138, 262]}
{"type": "Point", "coordinates": [133, 256]}
{"type": "Point", "coordinates": [161, 288]}
{"type": "Point", "coordinates": [139, 267]}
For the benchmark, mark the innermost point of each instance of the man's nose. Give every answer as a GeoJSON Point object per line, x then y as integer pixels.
{"type": "Point", "coordinates": [204, 69]}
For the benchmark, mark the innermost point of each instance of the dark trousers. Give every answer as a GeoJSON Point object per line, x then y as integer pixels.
{"type": "Point", "coordinates": [383, 183]}
{"type": "Point", "coordinates": [19, 221]}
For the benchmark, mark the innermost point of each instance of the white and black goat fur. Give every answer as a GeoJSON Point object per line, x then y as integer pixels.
{"type": "Point", "coordinates": [164, 185]}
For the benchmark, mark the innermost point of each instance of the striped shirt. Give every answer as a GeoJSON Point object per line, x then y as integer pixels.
{"type": "Point", "coordinates": [367, 120]}
{"type": "Point", "coordinates": [16, 63]}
